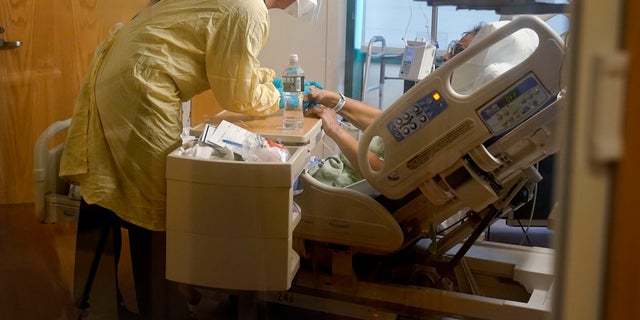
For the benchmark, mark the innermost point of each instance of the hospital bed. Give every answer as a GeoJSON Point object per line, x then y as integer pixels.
{"type": "Point", "coordinates": [462, 142]}
{"type": "Point", "coordinates": [470, 148]}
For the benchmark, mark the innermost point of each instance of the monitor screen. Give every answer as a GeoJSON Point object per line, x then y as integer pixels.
{"type": "Point", "coordinates": [408, 54]}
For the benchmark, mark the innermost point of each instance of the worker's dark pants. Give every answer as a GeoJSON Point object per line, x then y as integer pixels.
{"type": "Point", "coordinates": [98, 245]}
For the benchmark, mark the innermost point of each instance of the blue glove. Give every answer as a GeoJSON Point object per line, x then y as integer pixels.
{"type": "Point", "coordinates": [277, 82]}
{"type": "Point", "coordinates": [307, 84]}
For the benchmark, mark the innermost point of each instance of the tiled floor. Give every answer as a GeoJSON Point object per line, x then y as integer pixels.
{"type": "Point", "coordinates": [36, 269]}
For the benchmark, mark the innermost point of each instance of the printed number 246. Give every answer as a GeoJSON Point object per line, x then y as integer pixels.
{"type": "Point", "coordinates": [285, 297]}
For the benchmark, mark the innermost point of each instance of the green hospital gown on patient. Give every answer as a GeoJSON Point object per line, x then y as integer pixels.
{"type": "Point", "coordinates": [337, 171]}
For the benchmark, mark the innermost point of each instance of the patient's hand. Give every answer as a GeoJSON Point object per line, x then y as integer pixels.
{"type": "Point", "coordinates": [329, 119]}
{"type": "Point", "coordinates": [320, 96]}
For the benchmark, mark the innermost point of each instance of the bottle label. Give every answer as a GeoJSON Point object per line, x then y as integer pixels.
{"type": "Point", "coordinates": [293, 84]}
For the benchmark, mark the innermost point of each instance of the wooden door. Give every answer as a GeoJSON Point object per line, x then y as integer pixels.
{"type": "Point", "coordinates": [39, 80]}
{"type": "Point", "coordinates": [623, 274]}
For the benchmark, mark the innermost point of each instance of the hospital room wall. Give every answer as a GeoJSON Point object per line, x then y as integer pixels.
{"type": "Point", "coordinates": [320, 46]}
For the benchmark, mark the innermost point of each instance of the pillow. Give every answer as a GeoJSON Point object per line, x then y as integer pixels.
{"type": "Point", "coordinates": [494, 61]}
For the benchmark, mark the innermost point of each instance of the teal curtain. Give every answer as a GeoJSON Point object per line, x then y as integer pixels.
{"type": "Point", "coordinates": [355, 57]}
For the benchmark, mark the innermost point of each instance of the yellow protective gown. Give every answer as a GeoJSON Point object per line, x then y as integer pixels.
{"type": "Point", "coordinates": [127, 117]}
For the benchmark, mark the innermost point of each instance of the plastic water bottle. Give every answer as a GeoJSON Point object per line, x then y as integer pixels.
{"type": "Point", "coordinates": [293, 88]}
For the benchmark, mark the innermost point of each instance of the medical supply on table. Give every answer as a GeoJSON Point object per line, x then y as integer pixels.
{"type": "Point", "coordinates": [197, 149]}
{"type": "Point", "coordinates": [293, 94]}
{"type": "Point", "coordinates": [244, 144]}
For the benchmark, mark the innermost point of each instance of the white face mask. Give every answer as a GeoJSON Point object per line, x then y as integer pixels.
{"type": "Point", "coordinates": [306, 10]}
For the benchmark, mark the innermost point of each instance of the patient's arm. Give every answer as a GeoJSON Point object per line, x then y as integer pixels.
{"type": "Point", "coordinates": [345, 141]}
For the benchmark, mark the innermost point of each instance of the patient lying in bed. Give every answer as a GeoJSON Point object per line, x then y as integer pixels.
{"type": "Point", "coordinates": [448, 159]}
{"type": "Point", "coordinates": [342, 170]}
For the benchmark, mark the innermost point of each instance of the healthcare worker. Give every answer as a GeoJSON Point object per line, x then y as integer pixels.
{"type": "Point", "coordinates": [127, 116]}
